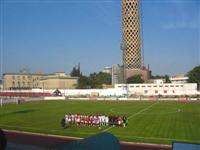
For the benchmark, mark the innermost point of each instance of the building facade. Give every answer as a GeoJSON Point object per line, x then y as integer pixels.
{"type": "Point", "coordinates": [136, 90]}
{"type": "Point", "coordinates": [117, 74]}
{"type": "Point", "coordinates": [131, 39]}
{"type": "Point", "coordinates": [58, 81]}
{"type": "Point", "coordinates": [107, 70]}
{"type": "Point", "coordinates": [166, 89]}
{"type": "Point", "coordinates": [143, 72]}
{"type": "Point", "coordinates": [25, 81]}
{"type": "Point", "coordinates": [179, 79]}
{"type": "Point", "coordinates": [20, 81]}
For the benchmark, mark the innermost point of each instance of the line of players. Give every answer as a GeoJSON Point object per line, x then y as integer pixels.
{"type": "Point", "coordinates": [94, 120]}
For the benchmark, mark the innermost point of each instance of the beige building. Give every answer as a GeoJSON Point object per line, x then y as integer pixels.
{"type": "Point", "coordinates": [20, 81]}
{"type": "Point", "coordinates": [31, 81]}
{"type": "Point", "coordinates": [58, 80]}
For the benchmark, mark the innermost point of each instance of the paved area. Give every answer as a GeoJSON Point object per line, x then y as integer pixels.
{"type": "Point", "coordinates": [14, 146]}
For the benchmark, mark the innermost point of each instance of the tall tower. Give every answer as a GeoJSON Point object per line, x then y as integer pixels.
{"type": "Point", "coordinates": [131, 41]}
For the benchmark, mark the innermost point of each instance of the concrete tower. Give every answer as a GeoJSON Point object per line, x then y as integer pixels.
{"type": "Point", "coordinates": [131, 41]}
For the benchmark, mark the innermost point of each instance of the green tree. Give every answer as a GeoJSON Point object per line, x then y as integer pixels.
{"type": "Point", "coordinates": [98, 79]}
{"type": "Point", "coordinates": [167, 80]}
{"type": "Point", "coordinates": [84, 82]}
{"type": "Point", "coordinates": [135, 79]}
{"type": "Point", "coordinates": [103, 78]}
{"type": "Point", "coordinates": [76, 71]}
{"type": "Point", "coordinates": [166, 77]}
{"type": "Point", "coordinates": [94, 80]}
{"type": "Point", "coordinates": [194, 75]}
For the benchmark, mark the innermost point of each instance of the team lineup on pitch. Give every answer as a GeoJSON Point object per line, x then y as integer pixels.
{"type": "Point", "coordinates": [150, 122]}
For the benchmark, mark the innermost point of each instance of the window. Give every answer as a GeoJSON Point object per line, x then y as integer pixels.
{"type": "Point", "coordinates": [165, 91]}
{"type": "Point", "coordinates": [156, 91]}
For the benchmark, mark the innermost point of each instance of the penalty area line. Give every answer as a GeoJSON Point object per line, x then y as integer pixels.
{"type": "Point", "coordinates": [135, 114]}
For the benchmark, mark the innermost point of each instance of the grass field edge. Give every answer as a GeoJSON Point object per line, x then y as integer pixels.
{"type": "Point", "coordinates": [150, 140]}
{"type": "Point", "coordinates": [79, 138]}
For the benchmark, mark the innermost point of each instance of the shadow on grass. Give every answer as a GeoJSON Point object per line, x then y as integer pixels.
{"type": "Point", "coordinates": [24, 111]}
{"type": "Point", "coordinates": [18, 112]}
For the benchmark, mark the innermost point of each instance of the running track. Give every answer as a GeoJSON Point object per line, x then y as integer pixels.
{"type": "Point", "coordinates": [47, 141]}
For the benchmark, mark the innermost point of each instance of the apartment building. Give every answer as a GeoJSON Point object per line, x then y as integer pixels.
{"type": "Point", "coordinates": [17, 81]}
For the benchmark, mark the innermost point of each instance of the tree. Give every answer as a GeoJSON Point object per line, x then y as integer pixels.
{"type": "Point", "coordinates": [98, 79]}
{"type": "Point", "coordinates": [167, 80]}
{"type": "Point", "coordinates": [73, 72]}
{"type": "Point", "coordinates": [135, 79]}
{"type": "Point", "coordinates": [166, 77]}
{"type": "Point", "coordinates": [95, 80]}
{"type": "Point", "coordinates": [84, 82]}
{"type": "Point", "coordinates": [194, 76]}
{"type": "Point", "coordinates": [76, 71]}
{"type": "Point", "coordinates": [102, 78]}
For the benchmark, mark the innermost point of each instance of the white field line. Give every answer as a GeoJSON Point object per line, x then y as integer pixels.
{"type": "Point", "coordinates": [135, 114]}
{"type": "Point", "coordinates": [176, 110]}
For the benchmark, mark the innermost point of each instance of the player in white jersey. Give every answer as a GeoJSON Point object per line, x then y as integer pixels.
{"type": "Point", "coordinates": [101, 119]}
{"type": "Point", "coordinates": [107, 120]}
{"type": "Point", "coordinates": [66, 120]}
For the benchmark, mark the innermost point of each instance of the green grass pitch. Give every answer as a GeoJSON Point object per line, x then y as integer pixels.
{"type": "Point", "coordinates": [149, 121]}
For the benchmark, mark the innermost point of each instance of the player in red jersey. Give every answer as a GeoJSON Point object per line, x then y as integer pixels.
{"type": "Point", "coordinates": [119, 120]}
{"type": "Point", "coordinates": [70, 119]}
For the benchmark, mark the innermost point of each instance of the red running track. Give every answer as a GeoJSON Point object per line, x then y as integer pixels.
{"type": "Point", "coordinates": [47, 141]}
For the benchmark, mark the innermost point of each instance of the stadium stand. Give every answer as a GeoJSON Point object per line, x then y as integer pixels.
{"type": "Point", "coordinates": [24, 94]}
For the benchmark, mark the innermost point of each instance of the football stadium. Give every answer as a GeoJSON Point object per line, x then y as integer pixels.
{"type": "Point", "coordinates": [160, 122]}
{"type": "Point", "coordinates": [123, 106]}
